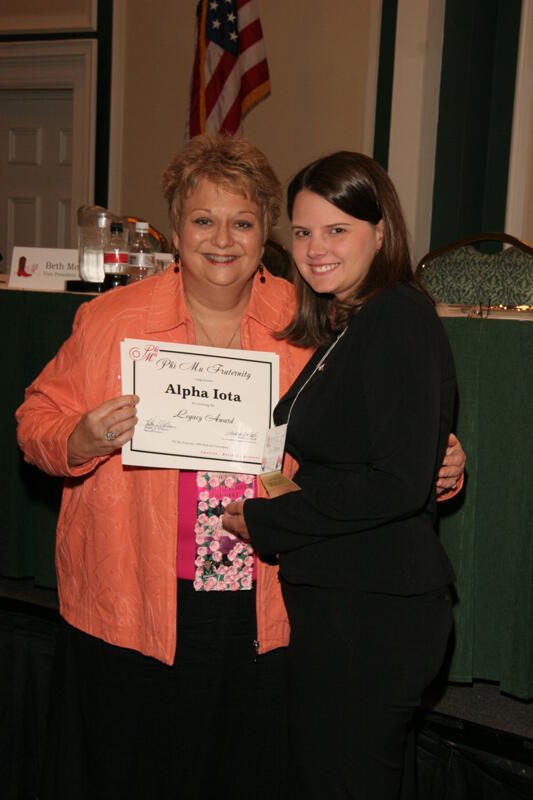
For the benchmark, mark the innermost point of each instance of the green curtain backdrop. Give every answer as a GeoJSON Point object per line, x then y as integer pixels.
{"type": "Point", "coordinates": [475, 117]}
{"type": "Point", "coordinates": [387, 44]}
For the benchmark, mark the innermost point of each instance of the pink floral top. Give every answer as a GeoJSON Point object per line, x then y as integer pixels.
{"type": "Point", "coordinates": [209, 556]}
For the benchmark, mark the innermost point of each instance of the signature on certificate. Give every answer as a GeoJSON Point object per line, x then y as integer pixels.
{"type": "Point", "coordinates": [155, 425]}
{"type": "Point", "coordinates": [241, 436]}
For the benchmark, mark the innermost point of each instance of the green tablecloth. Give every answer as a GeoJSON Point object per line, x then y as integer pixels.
{"type": "Point", "coordinates": [34, 325]}
{"type": "Point", "coordinates": [487, 530]}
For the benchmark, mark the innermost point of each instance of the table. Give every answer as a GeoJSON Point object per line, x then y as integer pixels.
{"type": "Point", "coordinates": [35, 323]}
{"type": "Point", "coordinates": [487, 530]}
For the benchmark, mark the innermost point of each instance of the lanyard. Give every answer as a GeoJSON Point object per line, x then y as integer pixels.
{"type": "Point", "coordinates": [316, 369]}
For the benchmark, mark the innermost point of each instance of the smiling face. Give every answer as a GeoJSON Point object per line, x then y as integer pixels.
{"type": "Point", "coordinates": [332, 250]}
{"type": "Point", "coordinates": [220, 237]}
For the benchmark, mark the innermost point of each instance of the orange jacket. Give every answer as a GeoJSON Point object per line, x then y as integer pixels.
{"type": "Point", "coordinates": [117, 528]}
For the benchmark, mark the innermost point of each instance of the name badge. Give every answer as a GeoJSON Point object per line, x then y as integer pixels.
{"type": "Point", "coordinates": [273, 480]}
{"type": "Point", "coordinates": [274, 449]}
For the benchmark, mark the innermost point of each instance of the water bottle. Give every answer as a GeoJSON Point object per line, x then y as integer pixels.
{"type": "Point", "coordinates": [141, 261]}
{"type": "Point", "coordinates": [116, 257]}
{"type": "Point", "coordinates": [116, 254]}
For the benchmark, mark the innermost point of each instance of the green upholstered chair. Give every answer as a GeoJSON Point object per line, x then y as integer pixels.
{"type": "Point", "coordinates": [459, 274]}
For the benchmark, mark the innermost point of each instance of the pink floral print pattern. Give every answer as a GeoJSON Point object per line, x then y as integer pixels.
{"type": "Point", "coordinates": [223, 563]}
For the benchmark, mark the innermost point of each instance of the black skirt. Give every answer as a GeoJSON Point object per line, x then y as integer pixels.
{"type": "Point", "coordinates": [213, 725]}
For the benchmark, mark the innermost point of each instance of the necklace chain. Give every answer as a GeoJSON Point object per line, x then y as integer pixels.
{"type": "Point", "coordinates": [209, 339]}
{"type": "Point", "coordinates": [319, 368]}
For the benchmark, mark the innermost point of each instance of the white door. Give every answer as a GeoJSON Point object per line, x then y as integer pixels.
{"type": "Point", "coordinates": [35, 170]}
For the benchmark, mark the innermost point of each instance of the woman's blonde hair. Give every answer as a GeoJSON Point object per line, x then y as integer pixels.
{"type": "Point", "coordinates": [231, 162]}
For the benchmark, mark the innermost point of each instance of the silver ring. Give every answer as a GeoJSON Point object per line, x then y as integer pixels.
{"type": "Point", "coordinates": [110, 436]}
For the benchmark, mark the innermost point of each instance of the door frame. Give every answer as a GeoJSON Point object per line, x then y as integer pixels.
{"type": "Point", "coordinates": [61, 64]}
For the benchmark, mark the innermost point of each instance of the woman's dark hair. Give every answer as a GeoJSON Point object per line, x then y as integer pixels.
{"type": "Point", "coordinates": [359, 186]}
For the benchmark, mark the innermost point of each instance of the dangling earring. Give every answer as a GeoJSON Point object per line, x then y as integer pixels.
{"type": "Point", "coordinates": [177, 261]}
{"type": "Point", "coordinates": [261, 275]}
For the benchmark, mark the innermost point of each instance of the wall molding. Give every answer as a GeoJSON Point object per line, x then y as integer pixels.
{"type": "Point", "coordinates": [61, 64]}
{"type": "Point", "coordinates": [372, 77]}
{"type": "Point", "coordinates": [116, 124]}
{"type": "Point", "coordinates": [414, 113]}
{"type": "Point", "coordinates": [522, 133]}
{"type": "Point", "coordinates": [79, 19]}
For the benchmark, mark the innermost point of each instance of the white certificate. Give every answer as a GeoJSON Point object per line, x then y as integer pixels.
{"type": "Point", "coordinates": [200, 407]}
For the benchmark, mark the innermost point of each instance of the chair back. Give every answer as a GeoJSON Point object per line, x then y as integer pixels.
{"type": "Point", "coordinates": [459, 274]}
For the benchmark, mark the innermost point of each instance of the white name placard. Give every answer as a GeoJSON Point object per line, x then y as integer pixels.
{"type": "Point", "coordinates": [200, 407]}
{"type": "Point", "coordinates": [43, 269]}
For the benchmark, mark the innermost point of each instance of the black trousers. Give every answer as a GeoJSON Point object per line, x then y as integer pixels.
{"type": "Point", "coordinates": [358, 663]}
{"type": "Point", "coordinates": [210, 727]}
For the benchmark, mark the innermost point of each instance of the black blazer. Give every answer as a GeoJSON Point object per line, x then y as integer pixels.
{"type": "Point", "coordinates": [369, 432]}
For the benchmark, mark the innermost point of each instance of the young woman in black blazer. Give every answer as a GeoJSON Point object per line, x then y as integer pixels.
{"type": "Point", "coordinates": [364, 576]}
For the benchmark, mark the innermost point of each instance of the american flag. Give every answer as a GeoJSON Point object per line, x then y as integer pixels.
{"type": "Point", "coordinates": [230, 73]}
